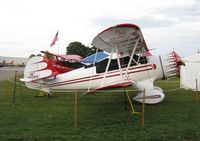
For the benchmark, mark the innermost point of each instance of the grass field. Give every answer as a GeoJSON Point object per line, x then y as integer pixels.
{"type": "Point", "coordinates": [101, 116]}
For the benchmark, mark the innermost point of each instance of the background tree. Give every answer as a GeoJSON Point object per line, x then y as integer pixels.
{"type": "Point", "coordinates": [32, 55]}
{"type": "Point", "coordinates": [80, 49]}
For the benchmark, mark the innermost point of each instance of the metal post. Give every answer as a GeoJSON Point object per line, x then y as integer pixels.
{"type": "Point", "coordinates": [22, 94]}
{"type": "Point", "coordinates": [14, 91]}
{"type": "Point", "coordinates": [7, 90]}
{"type": "Point", "coordinates": [197, 93]}
{"type": "Point", "coordinates": [125, 100]}
{"type": "Point", "coordinates": [75, 109]}
{"type": "Point", "coordinates": [143, 106]}
{"type": "Point", "coordinates": [66, 110]}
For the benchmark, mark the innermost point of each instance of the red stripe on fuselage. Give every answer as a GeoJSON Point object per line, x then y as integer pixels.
{"type": "Point", "coordinates": [100, 74]}
{"type": "Point", "coordinates": [89, 78]}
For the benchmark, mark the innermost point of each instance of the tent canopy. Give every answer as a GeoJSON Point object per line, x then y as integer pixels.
{"type": "Point", "coordinates": [190, 72]}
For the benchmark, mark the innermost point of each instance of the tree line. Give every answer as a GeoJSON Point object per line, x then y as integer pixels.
{"type": "Point", "coordinates": [77, 48]}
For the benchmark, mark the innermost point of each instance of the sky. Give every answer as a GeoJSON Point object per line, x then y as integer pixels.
{"type": "Point", "coordinates": [29, 26]}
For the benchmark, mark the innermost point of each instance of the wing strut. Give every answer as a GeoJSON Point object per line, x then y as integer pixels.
{"type": "Point", "coordinates": [93, 69]}
{"type": "Point", "coordinates": [131, 58]}
{"type": "Point", "coordinates": [119, 64]}
{"type": "Point", "coordinates": [102, 82]}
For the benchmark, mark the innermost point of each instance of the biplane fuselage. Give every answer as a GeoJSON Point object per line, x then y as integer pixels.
{"type": "Point", "coordinates": [90, 78]}
{"type": "Point", "coordinates": [141, 75]}
{"type": "Point", "coordinates": [132, 66]}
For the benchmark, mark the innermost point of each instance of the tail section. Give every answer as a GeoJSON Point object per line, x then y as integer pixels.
{"type": "Point", "coordinates": [38, 68]}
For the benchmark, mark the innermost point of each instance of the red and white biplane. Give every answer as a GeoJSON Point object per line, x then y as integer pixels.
{"type": "Point", "coordinates": [129, 63]}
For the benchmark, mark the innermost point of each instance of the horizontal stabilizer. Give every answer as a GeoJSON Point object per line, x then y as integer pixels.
{"type": "Point", "coordinates": [25, 80]}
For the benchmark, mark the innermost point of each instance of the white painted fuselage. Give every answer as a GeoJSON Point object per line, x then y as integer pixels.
{"type": "Point", "coordinates": [88, 78]}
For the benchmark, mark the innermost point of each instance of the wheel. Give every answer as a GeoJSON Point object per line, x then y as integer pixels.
{"type": "Point", "coordinates": [49, 94]}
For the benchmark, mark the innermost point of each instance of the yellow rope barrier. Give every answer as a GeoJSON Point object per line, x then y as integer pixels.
{"type": "Point", "coordinates": [132, 108]}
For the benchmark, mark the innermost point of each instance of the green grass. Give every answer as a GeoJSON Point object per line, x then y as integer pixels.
{"type": "Point", "coordinates": [100, 116]}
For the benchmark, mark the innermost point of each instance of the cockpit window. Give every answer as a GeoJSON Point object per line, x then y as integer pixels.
{"type": "Point", "coordinates": [101, 66]}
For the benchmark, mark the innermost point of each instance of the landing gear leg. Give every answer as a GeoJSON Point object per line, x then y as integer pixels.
{"type": "Point", "coordinates": [49, 94]}
{"type": "Point", "coordinates": [131, 104]}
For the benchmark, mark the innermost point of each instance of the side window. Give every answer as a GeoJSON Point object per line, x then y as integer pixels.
{"type": "Point", "coordinates": [101, 66]}
{"type": "Point", "coordinates": [143, 60]}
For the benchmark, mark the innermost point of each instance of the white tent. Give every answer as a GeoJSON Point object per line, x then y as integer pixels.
{"type": "Point", "coordinates": [190, 72]}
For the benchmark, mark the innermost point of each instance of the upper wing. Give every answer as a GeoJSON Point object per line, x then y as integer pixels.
{"type": "Point", "coordinates": [123, 37]}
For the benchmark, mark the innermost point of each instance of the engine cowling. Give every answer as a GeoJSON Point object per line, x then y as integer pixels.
{"type": "Point", "coordinates": [170, 68]}
{"type": "Point", "coordinates": [170, 64]}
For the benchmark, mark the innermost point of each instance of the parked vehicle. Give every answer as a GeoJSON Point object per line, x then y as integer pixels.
{"type": "Point", "coordinates": [2, 62]}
